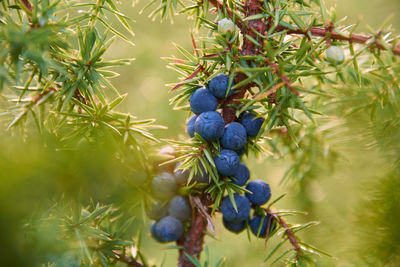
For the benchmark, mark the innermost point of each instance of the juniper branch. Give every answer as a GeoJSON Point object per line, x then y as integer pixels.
{"type": "Point", "coordinates": [288, 232]}
{"type": "Point", "coordinates": [194, 239]}
{"type": "Point", "coordinates": [369, 40]}
{"type": "Point", "coordinates": [319, 32]}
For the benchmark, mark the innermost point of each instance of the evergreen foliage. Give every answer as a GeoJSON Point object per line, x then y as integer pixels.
{"type": "Point", "coordinates": [290, 74]}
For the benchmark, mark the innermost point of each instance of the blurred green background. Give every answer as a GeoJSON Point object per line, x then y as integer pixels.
{"type": "Point", "coordinates": [32, 176]}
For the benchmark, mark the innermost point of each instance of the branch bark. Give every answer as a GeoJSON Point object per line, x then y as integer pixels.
{"type": "Point", "coordinates": [192, 242]}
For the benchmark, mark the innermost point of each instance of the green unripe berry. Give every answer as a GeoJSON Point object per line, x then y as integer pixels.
{"type": "Point", "coordinates": [225, 26]}
{"type": "Point", "coordinates": [335, 55]}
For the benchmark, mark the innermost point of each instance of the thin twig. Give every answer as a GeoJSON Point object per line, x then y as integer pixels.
{"type": "Point", "coordinates": [352, 38]}
{"type": "Point", "coordinates": [288, 232]}
{"type": "Point", "coordinates": [27, 4]}
{"type": "Point", "coordinates": [126, 259]}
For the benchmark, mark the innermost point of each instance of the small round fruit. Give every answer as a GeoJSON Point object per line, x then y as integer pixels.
{"type": "Point", "coordinates": [202, 176]}
{"type": "Point", "coordinates": [180, 175]}
{"type": "Point", "coordinates": [260, 230]}
{"type": "Point", "coordinates": [240, 151]}
{"type": "Point", "coordinates": [219, 85]}
{"type": "Point", "coordinates": [138, 177]}
{"type": "Point", "coordinates": [251, 123]}
{"type": "Point", "coordinates": [235, 227]}
{"type": "Point", "coordinates": [164, 186]}
{"type": "Point", "coordinates": [157, 210]}
{"type": "Point", "coordinates": [169, 229]}
{"type": "Point", "coordinates": [202, 100]}
{"type": "Point", "coordinates": [190, 125]}
{"type": "Point", "coordinates": [229, 212]}
{"type": "Point", "coordinates": [227, 162]}
{"type": "Point", "coordinates": [165, 153]}
{"type": "Point", "coordinates": [179, 208]}
{"type": "Point", "coordinates": [210, 125]}
{"type": "Point", "coordinates": [226, 25]}
{"type": "Point", "coordinates": [261, 192]}
{"type": "Point", "coordinates": [335, 55]}
{"type": "Point", "coordinates": [153, 232]}
{"type": "Point", "coordinates": [242, 175]}
{"type": "Point", "coordinates": [235, 136]}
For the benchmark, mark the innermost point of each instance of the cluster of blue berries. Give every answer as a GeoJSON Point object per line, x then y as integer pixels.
{"type": "Point", "coordinates": [236, 220]}
{"type": "Point", "coordinates": [170, 210]}
{"type": "Point", "coordinates": [210, 125]}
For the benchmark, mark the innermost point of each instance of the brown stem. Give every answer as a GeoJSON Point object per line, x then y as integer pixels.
{"type": "Point", "coordinates": [39, 96]}
{"type": "Point", "coordinates": [126, 259]}
{"type": "Point", "coordinates": [192, 242]}
{"type": "Point", "coordinates": [27, 4]}
{"type": "Point", "coordinates": [289, 233]}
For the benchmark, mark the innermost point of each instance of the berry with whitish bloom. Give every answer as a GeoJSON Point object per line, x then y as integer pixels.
{"type": "Point", "coordinates": [227, 162]}
{"type": "Point", "coordinates": [190, 125]}
{"type": "Point", "coordinates": [154, 232]}
{"type": "Point", "coordinates": [229, 212]}
{"type": "Point", "coordinates": [251, 123]}
{"type": "Point", "coordinates": [235, 136]}
{"type": "Point", "coordinates": [169, 229]}
{"type": "Point", "coordinates": [219, 85]}
{"type": "Point", "coordinates": [165, 153]}
{"type": "Point", "coordinates": [261, 192]}
{"type": "Point", "coordinates": [335, 55]}
{"type": "Point", "coordinates": [202, 100]}
{"type": "Point", "coordinates": [157, 211]}
{"type": "Point", "coordinates": [235, 227]}
{"type": "Point", "coordinates": [260, 230]}
{"type": "Point", "coordinates": [242, 175]}
{"type": "Point", "coordinates": [179, 208]}
{"type": "Point", "coordinates": [202, 176]}
{"type": "Point", "coordinates": [164, 186]}
{"type": "Point", "coordinates": [226, 25]}
{"type": "Point", "coordinates": [180, 175]}
{"type": "Point", "coordinates": [210, 125]}
{"type": "Point", "coordinates": [138, 177]}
